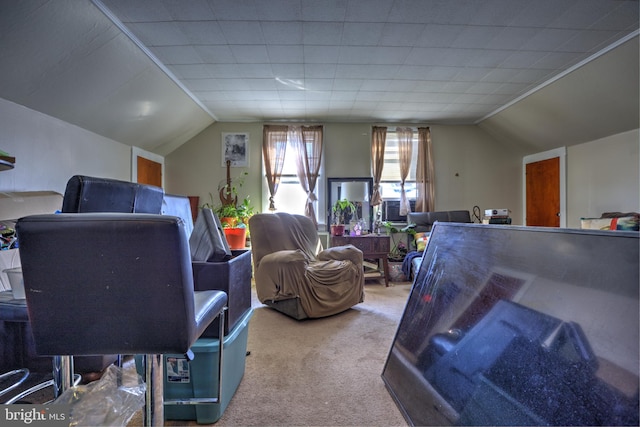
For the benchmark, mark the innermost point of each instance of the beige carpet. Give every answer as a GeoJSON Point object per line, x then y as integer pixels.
{"type": "Point", "coordinates": [320, 372]}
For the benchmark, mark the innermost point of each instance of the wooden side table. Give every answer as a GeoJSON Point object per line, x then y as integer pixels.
{"type": "Point", "coordinates": [373, 246]}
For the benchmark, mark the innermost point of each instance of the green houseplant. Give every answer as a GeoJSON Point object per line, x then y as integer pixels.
{"type": "Point", "coordinates": [399, 249]}
{"type": "Point", "coordinates": [244, 211]}
{"type": "Point", "coordinates": [230, 212]}
{"type": "Point", "coordinates": [234, 219]}
{"type": "Point", "coordinates": [340, 210]}
{"type": "Point", "coordinates": [234, 216]}
{"type": "Point", "coordinates": [228, 215]}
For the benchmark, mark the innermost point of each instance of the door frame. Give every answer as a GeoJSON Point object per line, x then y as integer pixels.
{"type": "Point", "coordinates": [139, 152]}
{"type": "Point", "coordinates": [556, 152]}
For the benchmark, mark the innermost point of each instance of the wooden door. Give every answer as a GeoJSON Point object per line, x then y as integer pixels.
{"type": "Point", "coordinates": [543, 193]}
{"type": "Point", "coordinates": [149, 172]}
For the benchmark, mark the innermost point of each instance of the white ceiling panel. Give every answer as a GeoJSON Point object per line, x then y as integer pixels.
{"type": "Point", "coordinates": [423, 61]}
{"type": "Point", "coordinates": [198, 33]}
{"type": "Point", "coordinates": [233, 9]}
{"type": "Point", "coordinates": [322, 33]}
{"type": "Point", "coordinates": [250, 54]}
{"type": "Point", "coordinates": [541, 13]}
{"type": "Point", "coordinates": [282, 33]}
{"type": "Point", "coordinates": [214, 54]}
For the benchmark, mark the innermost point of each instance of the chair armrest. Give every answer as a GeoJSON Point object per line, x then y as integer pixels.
{"type": "Point", "coordinates": [342, 253]}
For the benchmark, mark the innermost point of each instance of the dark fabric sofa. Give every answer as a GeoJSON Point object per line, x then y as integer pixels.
{"type": "Point", "coordinates": [424, 220]}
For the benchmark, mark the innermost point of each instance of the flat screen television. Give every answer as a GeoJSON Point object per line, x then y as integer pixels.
{"type": "Point", "coordinates": [510, 325]}
{"type": "Point", "coordinates": [391, 210]}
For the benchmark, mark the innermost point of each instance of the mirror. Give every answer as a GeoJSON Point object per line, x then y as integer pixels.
{"type": "Point", "coordinates": [356, 190]}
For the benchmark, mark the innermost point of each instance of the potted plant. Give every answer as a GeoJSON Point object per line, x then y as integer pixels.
{"type": "Point", "coordinates": [235, 222]}
{"type": "Point", "coordinates": [234, 219]}
{"type": "Point", "coordinates": [340, 210]}
{"type": "Point", "coordinates": [239, 232]}
{"type": "Point", "coordinates": [228, 215]}
{"type": "Point", "coordinates": [244, 211]}
{"type": "Point", "coordinates": [236, 236]}
{"type": "Point", "coordinates": [399, 249]}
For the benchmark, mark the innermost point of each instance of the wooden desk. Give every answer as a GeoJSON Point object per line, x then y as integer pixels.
{"type": "Point", "coordinates": [373, 246]}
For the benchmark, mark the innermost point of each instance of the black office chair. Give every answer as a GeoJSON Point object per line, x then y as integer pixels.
{"type": "Point", "coordinates": [84, 194]}
{"type": "Point", "coordinates": [95, 194]}
{"type": "Point", "coordinates": [115, 283]}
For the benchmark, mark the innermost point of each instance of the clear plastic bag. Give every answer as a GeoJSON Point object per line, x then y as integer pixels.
{"type": "Point", "coordinates": [110, 401]}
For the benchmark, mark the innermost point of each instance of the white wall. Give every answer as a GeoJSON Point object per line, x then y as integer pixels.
{"type": "Point", "coordinates": [49, 151]}
{"type": "Point", "coordinates": [488, 173]}
{"type": "Point", "coordinates": [472, 169]}
{"type": "Point", "coordinates": [347, 150]}
{"type": "Point", "coordinates": [603, 176]}
{"type": "Point", "coordinates": [195, 168]}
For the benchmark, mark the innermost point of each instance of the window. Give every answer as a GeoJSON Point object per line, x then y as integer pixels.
{"type": "Point", "coordinates": [290, 197]}
{"type": "Point", "coordinates": [390, 183]}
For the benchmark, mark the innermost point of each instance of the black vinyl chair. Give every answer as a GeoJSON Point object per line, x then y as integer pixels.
{"type": "Point", "coordinates": [116, 283]}
{"type": "Point", "coordinates": [84, 194]}
{"type": "Point", "coordinates": [95, 194]}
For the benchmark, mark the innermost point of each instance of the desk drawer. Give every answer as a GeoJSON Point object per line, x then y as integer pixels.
{"type": "Point", "coordinates": [367, 244]}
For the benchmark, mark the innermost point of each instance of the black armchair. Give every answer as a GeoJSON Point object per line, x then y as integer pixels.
{"type": "Point", "coordinates": [115, 283]}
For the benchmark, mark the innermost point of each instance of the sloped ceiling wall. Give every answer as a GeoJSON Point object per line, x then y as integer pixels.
{"type": "Point", "coordinates": [68, 60]}
{"type": "Point", "coordinates": [592, 102]}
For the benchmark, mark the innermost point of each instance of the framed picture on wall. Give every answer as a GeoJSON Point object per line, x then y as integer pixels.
{"type": "Point", "coordinates": [235, 148]}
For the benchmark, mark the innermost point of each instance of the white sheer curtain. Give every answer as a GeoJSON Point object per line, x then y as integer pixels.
{"type": "Point", "coordinates": [274, 145]}
{"type": "Point", "coordinates": [405, 153]}
{"type": "Point", "coordinates": [307, 143]}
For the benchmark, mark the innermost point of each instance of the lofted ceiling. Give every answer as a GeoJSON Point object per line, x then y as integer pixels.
{"type": "Point", "coordinates": [153, 73]}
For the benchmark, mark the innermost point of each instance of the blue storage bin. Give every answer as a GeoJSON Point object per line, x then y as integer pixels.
{"type": "Point", "coordinates": [199, 377]}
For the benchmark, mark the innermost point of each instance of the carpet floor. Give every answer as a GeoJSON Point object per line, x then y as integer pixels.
{"type": "Point", "coordinates": [319, 372]}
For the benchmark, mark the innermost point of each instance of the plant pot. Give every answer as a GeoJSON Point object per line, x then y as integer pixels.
{"type": "Point", "coordinates": [229, 221]}
{"type": "Point", "coordinates": [337, 230]}
{"type": "Point", "coordinates": [236, 237]}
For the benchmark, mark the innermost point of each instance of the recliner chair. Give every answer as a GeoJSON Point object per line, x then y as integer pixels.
{"type": "Point", "coordinates": [113, 283]}
{"type": "Point", "coordinates": [293, 273]}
